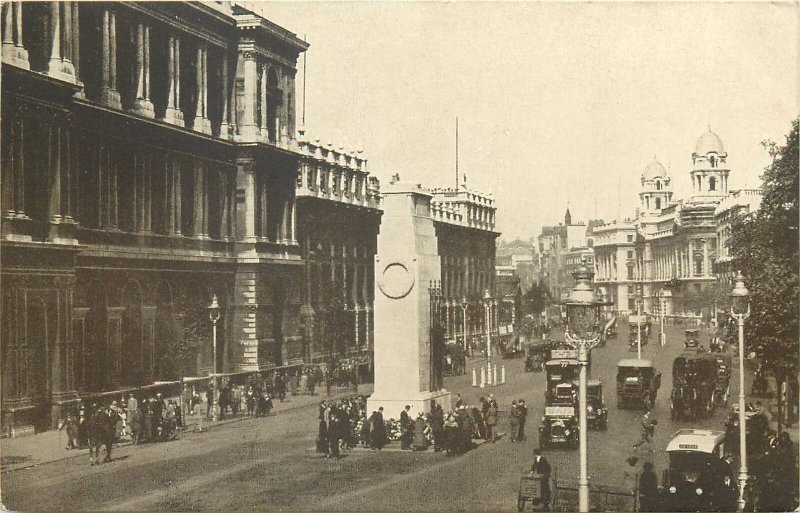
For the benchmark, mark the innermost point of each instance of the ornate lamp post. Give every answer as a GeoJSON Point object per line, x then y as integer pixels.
{"type": "Point", "coordinates": [740, 309]}
{"type": "Point", "coordinates": [639, 321]}
{"type": "Point", "coordinates": [583, 333]}
{"type": "Point", "coordinates": [213, 314]}
{"type": "Point", "coordinates": [464, 305]}
{"type": "Point", "coordinates": [487, 303]}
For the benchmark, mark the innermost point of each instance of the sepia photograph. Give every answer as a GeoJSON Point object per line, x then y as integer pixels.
{"type": "Point", "coordinates": [431, 256]}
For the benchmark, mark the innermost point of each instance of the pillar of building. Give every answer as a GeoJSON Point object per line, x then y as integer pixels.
{"type": "Point", "coordinates": [248, 130]}
{"type": "Point", "coordinates": [141, 103]}
{"type": "Point", "coordinates": [226, 200]}
{"type": "Point", "coordinates": [60, 63]}
{"type": "Point", "coordinates": [262, 99]}
{"type": "Point", "coordinates": [173, 114]}
{"type": "Point", "coordinates": [200, 200]}
{"type": "Point", "coordinates": [244, 318]}
{"type": "Point", "coordinates": [201, 121]}
{"type": "Point", "coordinates": [14, 51]}
{"type": "Point", "coordinates": [108, 87]}
{"type": "Point", "coordinates": [706, 263]}
{"type": "Point", "coordinates": [224, 127]}
{"type": "Point", "coordinates": [246, 210]}
{"type": "Point", "coordinates": [172, 192]}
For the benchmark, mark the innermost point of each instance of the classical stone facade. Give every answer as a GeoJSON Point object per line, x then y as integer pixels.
{"type": "Point", "coordinates": [150, 160]}
{"type": "Point", "coordinates": [670, 248]}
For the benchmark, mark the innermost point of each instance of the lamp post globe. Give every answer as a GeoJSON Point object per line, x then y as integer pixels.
{"type": "Point", "coordinates": [213, 315]}
{"type": "Point", "coordinates": [740, 309]}
{"type": "Point", "coordinates": [583, 333]}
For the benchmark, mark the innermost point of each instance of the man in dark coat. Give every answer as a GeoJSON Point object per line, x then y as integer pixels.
{"type": "Point", "coordinates": [377, 429]}
{"type": "Point", "coordinates": [523, 414]}
{"type": "Point", "coordinates": [334, 435]}
{"type": "Point", "coordinates": [406, 428]}
{"type": "Point", "coordinates": [542, 466]}
{"type": "Point", "coordinates": [648, 489]}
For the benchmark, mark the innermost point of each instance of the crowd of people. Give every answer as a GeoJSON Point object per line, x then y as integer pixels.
{"type": "Point", "coordinates": [345, 424]}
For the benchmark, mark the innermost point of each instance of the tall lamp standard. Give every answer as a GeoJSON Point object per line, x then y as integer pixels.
{"type": "Point", "coordinates": [639, 321]}
{"type": "Point", "coordinates": [213, 314]}
{"type": "Point", "coordinates": [662, 309]}
{"type": "Point", "coordinates": [487, 301]}
{"type": "Point", "coordinates": [583, 333]}
{"type": "Point", "coordinates": [740, 309]}
{"type": "Point", "coordinates": [464, 320]}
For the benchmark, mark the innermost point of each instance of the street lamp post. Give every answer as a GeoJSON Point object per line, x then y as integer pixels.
{"type": "Point", "coordinates": [213, 314]}
{"type": "Point", "coordinates": [583, 333]}
{"type": "Point", "coordinates": [740, 309]}
{"type": "Point", "coordinates": [487, 300]}
{"type": "Point", "coordinates": [639, 321]}
{"type": "Point", "coordinates": [662, 303]}
{"type": "Point", "coordinates": [464, 320]}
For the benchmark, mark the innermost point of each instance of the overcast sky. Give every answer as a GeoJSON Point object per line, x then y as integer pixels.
{"type": "Point", "coordinates": [558, 103]}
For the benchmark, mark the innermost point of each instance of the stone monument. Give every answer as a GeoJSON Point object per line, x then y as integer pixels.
{"type": "Point", "coordinates": [407, 261]}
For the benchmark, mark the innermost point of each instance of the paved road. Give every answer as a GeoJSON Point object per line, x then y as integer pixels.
{"type": "Point", "coordinates": [268, 463]}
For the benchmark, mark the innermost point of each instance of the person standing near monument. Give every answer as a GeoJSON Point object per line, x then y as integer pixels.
{"type": "Point", "coordinates": [405, 429]}
{"type": "Point", "coordinates": [377, 429]}
{"type": "Point", "coordinates": [513, 421]}
{"type": "Point", "coordinates": [523, 414]}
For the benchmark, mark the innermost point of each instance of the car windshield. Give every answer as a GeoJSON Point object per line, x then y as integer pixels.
{"type": "Point", "coordinates": [689, 466]}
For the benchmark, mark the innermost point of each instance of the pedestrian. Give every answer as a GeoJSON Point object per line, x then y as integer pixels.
{"type": "Point", "coordinates": [186, 401]}
{"type": "Point", "coordinates": [420, 444]}
{"type": "Point", "coordinates": [648, 489]}
{"type": "Point", "coordinates": [149, 417]}
{"type": "Point", "coordinates": [451, 433]}
{"type": "Point", "coordinates": [405, 428]}
{"type": "Point", "coordinates": [523, 415]}
{"type": "Point", "coordinates": [377, 430]}
{"type": "Point", "coordinates": [334, 436]}
{"type": "Point", "coordinates": [491, 422]}
{"type": "Point", "coordinates": [459, 401]}
{"type": "Point", "coordinates": [437, 425]}
{"type": "Point", "coordinates": [137, 425]}
{"type": "Point", "coordinates": [541, 467]}
{"type": "Point", "coordinates": [513, 421]}
{"type": "Point", "coordinates": [469, 429]}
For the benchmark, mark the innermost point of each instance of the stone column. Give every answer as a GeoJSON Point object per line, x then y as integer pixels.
{"type": "Point", "coordinates": [263, 213]}
{"type": "Point", "coordinates": [249, 129]}
{"type": "Point", "coordinates": [14, 52]}
{"type": "Point", "coordinates": [76, 42]}
{"type": "Point", "coordinates": [173, 114]}
{"type": "Point", "coordinates": [292, 218]}
{"type": "Point", "coordinates": [706, 266]}
{"type": "Point", "coordinates": [142, 104]}
{"type": "Point", "coordinates": [201, 121]}
{"type": "Point", "coordinates": [691, 257]}
{"type": "Point", "coordinates": [200, 211]}
{"type": "Point", "coordinates": [225, 200]}
{"type": "Point", "coordinates": [54, 172]}
{"type": "Point", "coordinates": [284, 235]}
{"type": "Point", "coordinates": [262, 98]}
{"type": "Point", "coordinates": [224, 127]}
{"type": "Point", "coordinates": [108, 91]}
{"type": "Point", "coordinates": [173, 195]}
{"type": "Point", "coordinates": [246, 211]}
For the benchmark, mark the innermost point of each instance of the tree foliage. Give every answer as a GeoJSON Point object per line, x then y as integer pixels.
{"type": "Point", "coordinates": [765, 248]}
{"type": "Point", "coordinates": [535, 299]}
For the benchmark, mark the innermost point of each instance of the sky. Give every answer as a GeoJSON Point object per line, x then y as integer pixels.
{"type": "Point", "coordinates": [559, 104]}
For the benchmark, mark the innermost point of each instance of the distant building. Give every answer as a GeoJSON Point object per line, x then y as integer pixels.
{"type": "Point", "coordinates": [671, 246]}
{"type": "Point", "coordinates": [743, 202]}
{"type": "Point", "coordinates": [522, 257]}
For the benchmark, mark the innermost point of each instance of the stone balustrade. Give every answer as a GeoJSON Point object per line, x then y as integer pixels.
{"type": "Point", "coordinates": [463, 207]}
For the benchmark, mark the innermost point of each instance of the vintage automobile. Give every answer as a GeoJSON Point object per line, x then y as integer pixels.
{"type": "Point", "coordinates": [694, 379]}
{"type": "Point", "coordinates": [559, 426]}
{"type": "Point", "coordinates": [698, 478]}
{"type": "Point", "coordinates": [596, 410]}
{"type": "Point", "coordinates": [636, 380]}
{"type": "Point", "coordinates": [537, 355]}
{"type": "Point", "coordinates": [559, 371]}
{"type": "Point", "coordinates": [692, 339]}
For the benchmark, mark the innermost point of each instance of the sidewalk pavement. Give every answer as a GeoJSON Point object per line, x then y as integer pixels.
{"type": "Point", "coordinates": [33, 450]}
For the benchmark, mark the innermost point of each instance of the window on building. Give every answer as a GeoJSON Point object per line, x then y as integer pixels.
{"type": "Point", "coordinates": [713, 161]}
{"type": "Point", "coordinates": [630, 272]}
{"type": "Point", "coordinates": [630, 237]}
{"type": "Point", "coordinates": [712, 183]}
{"type": "Point", "coordinates": [630, 254]}
{"type": "Point", "coordinates": [658, 203]}
{"type": "Point", "coordinates": [698, 267]}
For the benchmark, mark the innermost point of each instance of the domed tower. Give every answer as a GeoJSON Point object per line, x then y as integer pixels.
{"type": "Point", "coordinates": [656, 191]}
{"type": "Point", "coordinates": [710, 171]}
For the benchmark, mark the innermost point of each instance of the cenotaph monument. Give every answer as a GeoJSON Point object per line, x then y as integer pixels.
{"type": "Point", "coordinates": [407, 261]}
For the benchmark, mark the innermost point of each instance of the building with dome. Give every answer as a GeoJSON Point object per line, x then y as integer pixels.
{"type": "Point", "coordinates": [670, 247]}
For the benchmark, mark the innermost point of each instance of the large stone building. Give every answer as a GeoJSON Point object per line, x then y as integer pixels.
{"type": "Point", "coordinates": [555, 243]}
{"type": "Point", "coordinates": [151, 160]}
{"type": "Point", "coordinates": [743, 202]}
{"type": "Point", "coordinates": [670, 248]}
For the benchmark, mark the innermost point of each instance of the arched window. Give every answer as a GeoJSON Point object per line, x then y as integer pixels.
{"type": "Point", "coordinates": [712, 183]}
{"type": "Point", "coordinates": [658, 185]}
{"type": "Point", "coordinates": [713, 161]}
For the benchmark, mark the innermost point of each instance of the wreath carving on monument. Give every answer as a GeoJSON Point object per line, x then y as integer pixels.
{"type": "Point", "coordinates": [396, 280]}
